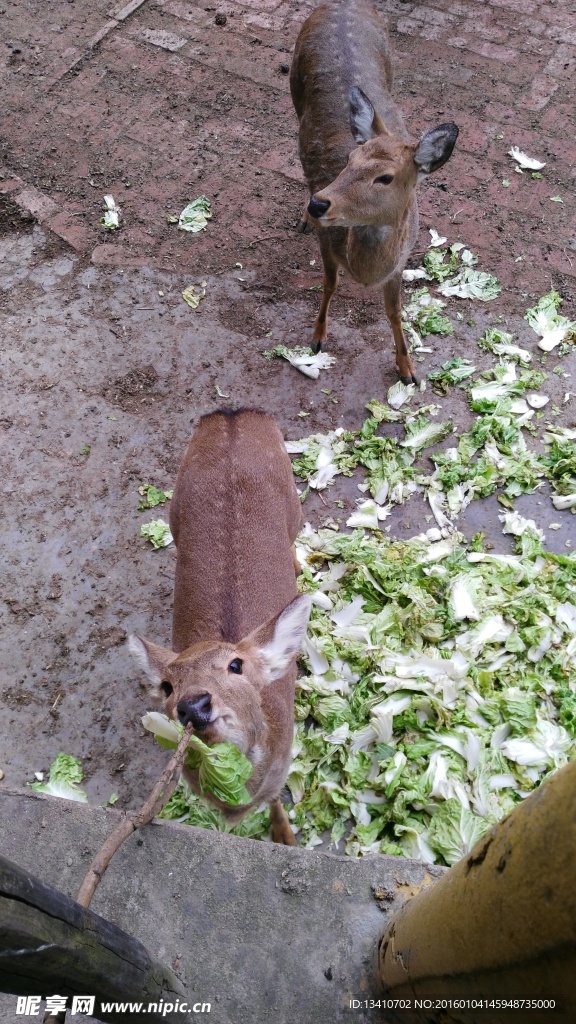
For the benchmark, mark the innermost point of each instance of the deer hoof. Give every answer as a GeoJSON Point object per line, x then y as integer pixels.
{"type": "Point", "coordinates": [304, 227]}
{"type": "Point", "coordinates": [409, 380]}
{"type": "Point", "coordinates": [316, 346]}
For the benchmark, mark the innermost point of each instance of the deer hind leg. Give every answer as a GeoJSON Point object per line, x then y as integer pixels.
{"type": "Point", "coordinates": [281, 831]}
{"type": "Point", "coordinates": [393, 305]}
{"type": "Point", "coordinates": [329, 285]}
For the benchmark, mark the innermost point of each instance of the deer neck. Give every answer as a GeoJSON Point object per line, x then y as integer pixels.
{"type": "Point", "coordinates": [374, 251]}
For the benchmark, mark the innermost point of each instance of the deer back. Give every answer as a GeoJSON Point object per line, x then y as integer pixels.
{"type": "Point", "coordinates": [234, 516]}
{"type": "Point", "coordinates": [341, 45]}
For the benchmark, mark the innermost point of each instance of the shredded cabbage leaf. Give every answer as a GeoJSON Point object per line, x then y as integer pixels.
{"type": "Point", "coordinates": [222, 769]}
{"type": "Point", "coordinates": [65, 776]}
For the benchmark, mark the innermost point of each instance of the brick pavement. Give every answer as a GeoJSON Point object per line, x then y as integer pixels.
{"type": "Point", "coordinates": [154, 101]}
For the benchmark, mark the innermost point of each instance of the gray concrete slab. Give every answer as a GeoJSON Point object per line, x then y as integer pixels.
{"type": "Point", "coordinates": [264, 933]}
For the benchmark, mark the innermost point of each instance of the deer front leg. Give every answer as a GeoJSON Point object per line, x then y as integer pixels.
{"type": "Point", "coordinates": [393, 305]}
{"type": "Point", "coordinates": [329, 285]}
{"type": "Point", "coordinates": [281, 831]}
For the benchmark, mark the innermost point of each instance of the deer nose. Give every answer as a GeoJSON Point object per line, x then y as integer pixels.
{"type": "Point", "coordinates": [318, 207]}
{"type": "Point", "coordinates": [198, 711]}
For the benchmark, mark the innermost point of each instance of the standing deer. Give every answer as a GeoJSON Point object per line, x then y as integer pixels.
{"type": "Point", "coordinates": [363, 202]}
{"type": "Point", "coordinates": [237, 622]}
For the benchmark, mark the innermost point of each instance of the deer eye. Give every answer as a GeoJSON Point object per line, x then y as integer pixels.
{"type": "Point", "coordinates": [384, 179]}
{"type": "Point", "coordinates": [167, 688]}
{"type": "Point", "coordinates": [236, 666]}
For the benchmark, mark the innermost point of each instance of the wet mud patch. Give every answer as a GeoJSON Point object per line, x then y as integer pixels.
{"type": "Point", "coordinates": [136, 390]}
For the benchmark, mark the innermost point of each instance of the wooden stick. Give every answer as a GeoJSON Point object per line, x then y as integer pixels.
{"type": "Point", "coordinates": [159, 796]}
{"type": "Point", "coordinates": [130, 822]}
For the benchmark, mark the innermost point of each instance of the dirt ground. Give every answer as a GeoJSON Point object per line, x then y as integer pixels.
{"type": "Point", "coordinates": [105, 369]}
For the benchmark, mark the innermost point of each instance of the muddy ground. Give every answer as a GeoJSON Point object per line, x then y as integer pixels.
{"type": "Point", "coordinates": [105, 370]}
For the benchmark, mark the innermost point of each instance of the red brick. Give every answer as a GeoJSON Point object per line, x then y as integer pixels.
{"type": "Point", "coordinates": [521, 6]}
{"type": "Point", "coordinates": [490, 50]}
{"type": "Point", "coordinates": [429, 15]}
{"type": "Point", "coordinates": [542, 89]}
{"type": "Point", "coordinates": [562, 64]}
{"type": "Point", "coordinates": [77, 234]}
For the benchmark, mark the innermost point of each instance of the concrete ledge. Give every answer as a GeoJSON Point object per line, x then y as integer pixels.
{"type": "Point", "coordinates": [265, 933]}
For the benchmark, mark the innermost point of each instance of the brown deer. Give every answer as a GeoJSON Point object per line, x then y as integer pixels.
{"type": "Point", "coordinates": [363, 201]}
{"type": "Point", "coordinates": [237, 622]}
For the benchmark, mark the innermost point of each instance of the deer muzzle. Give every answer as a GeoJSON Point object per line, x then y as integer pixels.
{"type": "Point", "coordinates": [197, 710]}
{"type": "Point", "coordinates": [318, 207]}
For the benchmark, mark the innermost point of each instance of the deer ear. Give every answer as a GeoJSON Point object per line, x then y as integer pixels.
{"type": "Point", "coordinates": [364, 121]}
{"type": "Point", "coordinates": [435, 148]}
{"type": "Point", "coordinates": [279, 640]}
{"type": "Point", "coordinates": [151, 659]}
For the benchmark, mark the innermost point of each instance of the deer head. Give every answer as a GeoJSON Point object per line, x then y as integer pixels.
{"type": "Point", "coordinates": [219, 686]}
{"type": "Point", "coordinates": [376, 186]}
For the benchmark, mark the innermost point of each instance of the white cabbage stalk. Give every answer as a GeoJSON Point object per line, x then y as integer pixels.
{"type": "Point", "coordinates": [415, 844]}
{"type": "Point", "coordinates": [349, 612]}
{"type": "Point", "coordinates": [451, 741]}
{"type": "Point", "coordinates": [472, 748]}
{"type": "Point", "coordinates": [424, 436]}
{"type": "Point", "coordinates": [297, 448]}
{"type": "Point", "coordinates": [369, 514]}
{"type": "Point", "coordinates": [490, 630]}
{"type": "Point", "coordinates": [340, 735]}
{"type": "Point", "coordinates": [321, 600]}
{"type": "Point", "coordinates": [318, 662]}
{"type": "Point", "coordinates": [549, 745]}
{"type": "Point", "coordinates": [382, 717]}
{"type": "Point", "coordinates": [537, 652]}
{"type": "Point", "coordinates": [309, 364]}
{"type": "Point", "coordinates": [416, 275]}
{"type": "Point", "coordinates": [500, 734]}
{"type": "Point", "coordinates": [502, 781]}
{"type": "Point", "coordinates": [462, 596]}
{"type": "Point", "coordinates": [566, 616]}
{"type": "Point", "coordinates": [491, 390]}
{"type": "Point", "coordinates": [528, 163]}
{"type": "Point", "coordinates": [436, 240]}
{"type": "Point", "coordinates": [537, 401]}
{"type": "Point", "coordinates": [363, 738]}
{"type": "Point", "coordinates": [360, 812]}
{"type": "Point", "coordinates": [444, 787]}
{"type": "Point", "coordinates": [326, 469]}
{"type": "Point", "coordinates": [520, 407]}
{"type": "Point", "coordinates": [111, 218]}
{"type": "Point", "coordinates": [471, 284]}
{"type": "Point", "coordinates": [559, 434]}
{"type": "Point", "coordinates": [398, 761]}
{"type": "Point", "coordinates": [435, 500]}
{"type": "Point", "coordinates": [400, 393]}
{"type": "Point", "coordinates": [504, 349]}
{"type": "Point", "coordinates": [162, 726]}
{"type": "Point", "coordinates": [313, 841]}
{"type": "Point", "coordinates": [563, 501]}
{"type": "Point", "coordinates": [516, 524]}
{"type": "Point", "coordinates": [440, 549]}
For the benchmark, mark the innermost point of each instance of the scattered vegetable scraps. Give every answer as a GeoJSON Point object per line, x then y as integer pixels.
{"type": "Point", "coordinates": [64, 778]}
{"type": "Point", "coordinates": [196, 215]}
{"type": "Point", "coordinates": [157, 532]}
{"type": "Point", "coordinates": [525, 162]}
{"type": "Point", "coordinates": [194, 294]}
{"type": "Point", "coordinates": [111, 218]}
{"type": "Point", "coordinates": [152, 496]}
{"type": "Point", "coordinates": [303, 359]}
